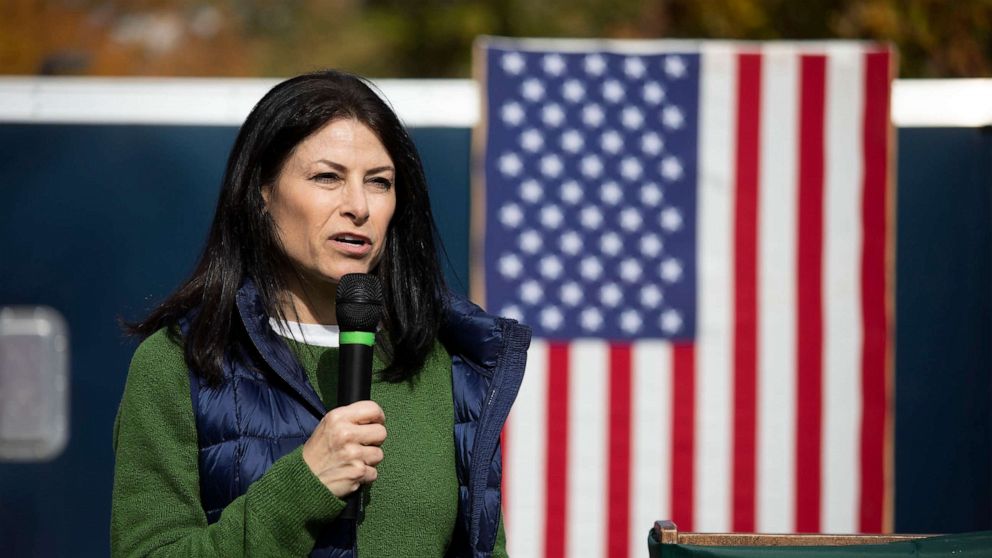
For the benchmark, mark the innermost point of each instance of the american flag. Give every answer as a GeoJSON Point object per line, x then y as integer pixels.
{"type": "Point", "coordinates": [699, 235]}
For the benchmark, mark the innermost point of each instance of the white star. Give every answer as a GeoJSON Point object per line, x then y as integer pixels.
{"type": "Point", "coordinates": [551, 166]}
{"type": "Point", "coordinates": [611, 244]}
{"type": "Point", "coordinates": [531, 190]}
{"type": "Point", "coordinates": [675, 66]}
{"type": "Point", "coordinates": [571, 192]}
{"type": "Point", "coordinates": [572, 141]}
{"type": "Point", "coordinates": [672, 117]}
{"type": "Point", "coordinates": [630, 168]}
{"type": "Point", "coordinates": [630, 321]}
{"type": "Point", "coordinates": [530, 241]}
{"type": "Point", "coordinates": [512, 312]}
{"type": "Point", "coordinates": [591, 217]}
{"type": "Point", "coordinates": [531, 140]}
{"type": "Point", "coordinates": [633, 67]}
{"type": "Point", "coordinates": [571, 243]}
{"type": "Point", "coordinates": [531, 292]}
{"type": "Point", "coordinates": [594, 64]}
{"type": "Point", "coordinates": [571, 293]}
{"type": "Point", "coordinates": [610, 295]}
{"type": "Point", "coordinates": [611, 141]}
{"type": "Point", "coordinates": [671, 219]}
{"type": "Point", "coordinates": [653, 93]}
{"type": "Point", "coordinates": [592, 115]}
{"type": "Point", "coordinates": [591, 319]}
{"type": "Point", "coordinates": [651, 245]}
{"type": "Point", "coordinates": [573, 91]}
{"type": "Point", "coordinates": [651, 194]}
{"type": "Point", "coordinates": [630, 219]}
{"type": "Point", "coordinates": [510, 164]}
{"type": "Point", "coordinates": [591, 166]}
{"type": "Point", "coordinates": [613, 91]}
{"type": "Point", "coordinates": [532, 90]}
{"type": "Point", "coordinates": [551, 216]}
{"type": "Point", "coordinates": [671, 168]}
{"type": "Point", "coordinates": [671, 270]}
{"type": "Point", "coordinates": [670, 321]}
{"type": "Point", "coordinates": [652, 144]}
{"type": "Point", "coordinates": [512, 113]}
{"type": "Point", "coordinates": [553, 64]}
{"type": "Point", "coordinates": [610, 193]}
{"type": "Point", "coordinates": [551, 318]}
{"type": "Point", "coordinates": [632, 118]}
{"type": "Point", "coordinates": [651, 296]}
{"type": "Point", "coordinates": [510, 266]}
{"type": "Point", "coordinates": [551, 267]}
{"type": "Point", "coordinates": [552, 115]}
{"type": "Point", "coordinates": [590, 269]}
{"type": "Point", "coordinates": [630, 270]}
{"type": "Point", "coordinates": [511, 215]}
{"type": "Point", "coordinates": [513, 63]}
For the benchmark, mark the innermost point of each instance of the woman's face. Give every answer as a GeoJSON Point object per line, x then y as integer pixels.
{"type": "Point", "coordinates": [333, 200]}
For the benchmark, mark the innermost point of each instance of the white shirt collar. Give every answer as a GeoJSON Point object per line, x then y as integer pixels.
{"type": "Point", "coordinates": [310, 334]}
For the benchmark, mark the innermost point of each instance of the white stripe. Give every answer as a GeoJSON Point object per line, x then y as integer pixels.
{"type": "Point", "coordinates": [651, 476]}
{"type": "Point", "coordinates": [711, 502]}
{"type": "Point", "coordinates": [526, 458]}
{"type": "Point", "coordinates": [776, 367]}
{"type": "Point", "coordinates": [842, 292]}
{"type": "Point", "coordinates": [588, 402]}
{"type": "Point", "coordinates": [448, 103]}
{"type": "Point", "coordinates": [199, 101]}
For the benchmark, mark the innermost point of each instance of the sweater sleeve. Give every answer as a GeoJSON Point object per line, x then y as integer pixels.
{"type": "Point", "coordinates": [156, 508]}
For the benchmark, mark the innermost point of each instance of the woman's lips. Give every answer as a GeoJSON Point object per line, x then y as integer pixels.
{"type": "Point", "coordinates": [352, 244]}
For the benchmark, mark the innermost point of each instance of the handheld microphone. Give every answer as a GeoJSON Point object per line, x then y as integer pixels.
{"type": "Point", "coordinates": [358, 305]}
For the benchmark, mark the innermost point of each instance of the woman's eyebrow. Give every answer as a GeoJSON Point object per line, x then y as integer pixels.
{"type": "Point", "coordinates": [377, 170]}
{"type": "Point", "coordinates": [342, 168]}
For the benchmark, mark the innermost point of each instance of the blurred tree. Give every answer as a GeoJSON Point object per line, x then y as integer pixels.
{"type": "Point", "coordinates": [433, 38]}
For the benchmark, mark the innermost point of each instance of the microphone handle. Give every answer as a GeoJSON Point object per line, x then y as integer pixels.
{"type": "Point", "coordinates": [354, 384]}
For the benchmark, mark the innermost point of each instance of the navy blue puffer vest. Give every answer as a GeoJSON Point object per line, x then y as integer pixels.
{"type": "Point", "coordinates": [266, 408]}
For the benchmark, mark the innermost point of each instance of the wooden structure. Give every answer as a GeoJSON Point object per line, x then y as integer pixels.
{"type": "Point", "coordinates": [667, 533]}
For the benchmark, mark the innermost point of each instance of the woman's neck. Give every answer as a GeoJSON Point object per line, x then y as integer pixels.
{"type": "Point", "coordinates": [308, 302]}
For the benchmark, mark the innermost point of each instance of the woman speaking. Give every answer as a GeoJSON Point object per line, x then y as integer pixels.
{"type": "Point", "coordinates": [224, 441]}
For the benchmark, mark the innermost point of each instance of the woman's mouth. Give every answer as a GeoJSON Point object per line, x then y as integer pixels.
{"type": "Point", "coordinates": [352, 244]}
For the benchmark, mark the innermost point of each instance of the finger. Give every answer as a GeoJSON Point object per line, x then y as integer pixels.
{"type": "Point", "coordinates": [373, 456]}
{"type": "Point", "coordinates": [369, 434]}
{"type": "Point", "coordinates": [361, 412]}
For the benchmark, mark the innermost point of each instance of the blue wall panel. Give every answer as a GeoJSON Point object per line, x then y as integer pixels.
{"type": "Point", "coordinates": [101, 222]}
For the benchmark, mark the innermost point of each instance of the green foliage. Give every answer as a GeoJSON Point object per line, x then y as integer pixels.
{"type": "Point", "coordinates": [433, 38]}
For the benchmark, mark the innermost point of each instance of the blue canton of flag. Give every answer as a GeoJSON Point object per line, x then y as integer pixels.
{"type": "Point", "coordinates": [591, 193]}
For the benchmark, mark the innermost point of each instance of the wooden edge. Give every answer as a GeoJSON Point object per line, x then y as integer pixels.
{"type": "Point", "coordinates": [756, 539]}
{"type": "Point", "coordinates": [666, 531]}
{"type": "Point", "coordinates": [477, 218]}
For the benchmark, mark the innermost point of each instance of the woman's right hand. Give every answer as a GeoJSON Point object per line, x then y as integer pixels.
{"type": "Point", "coordinates": [344, 448]}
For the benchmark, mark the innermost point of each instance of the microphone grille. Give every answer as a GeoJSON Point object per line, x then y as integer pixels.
{"type": "Point", "coordinates": [358, 302]}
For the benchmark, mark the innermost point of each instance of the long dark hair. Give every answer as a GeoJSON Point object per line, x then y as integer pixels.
{"type": "Point", "coordinates": [243, 242]}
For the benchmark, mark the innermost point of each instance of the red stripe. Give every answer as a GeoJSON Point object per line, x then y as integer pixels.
{"type": "Point", "coordinates": [873, 290]}
{"type": "Point", "coordinates": [683, 432]}
{"type": "Point", "coordinates": [809, 292]}
{"type": "Point", "coordinates": [618, 487]}
{"type": "Point", "coordinates": [557, 458]}
{"type": "Point", "coordinates": [746, 289]}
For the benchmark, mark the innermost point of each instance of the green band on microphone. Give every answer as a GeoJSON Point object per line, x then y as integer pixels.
{"type": "Point", "coordinates": [357, 338]}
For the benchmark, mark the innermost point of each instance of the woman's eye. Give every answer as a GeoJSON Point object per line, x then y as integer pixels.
{"type": "Point", "coordinates": [382, 183]}
{"type": "Point", "coordinates": [326, 177]}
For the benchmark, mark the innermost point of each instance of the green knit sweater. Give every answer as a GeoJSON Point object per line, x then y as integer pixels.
{"type": "Point", "coordinates": [156, 510]}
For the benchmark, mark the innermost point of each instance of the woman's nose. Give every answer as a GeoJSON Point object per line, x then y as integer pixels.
{"type": "Point", "coordinates": [354, 204]}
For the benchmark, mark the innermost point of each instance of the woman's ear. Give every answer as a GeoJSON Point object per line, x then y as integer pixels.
{"type": "Point", "coordinates": [266, 192]}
